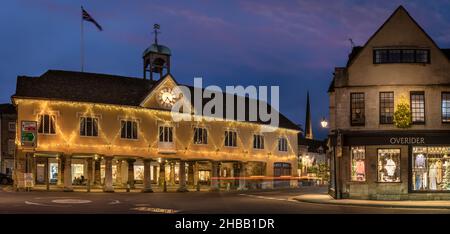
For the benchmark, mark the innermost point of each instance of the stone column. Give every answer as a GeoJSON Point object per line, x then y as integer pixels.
{"type": "Point", "coordinates": [47, 175]}
{"type": "Point", "coordinates": [68, 173]}
{"type": "Point", "coordinates": [162, 175]}
{"type": "Point", "coordinates": [172, 173]}
{"type": "Point", "coordinates": [119, 173]}
{"type": "Point", "coordinates": [147, 178]}
{"type": "Point", "coordinates": [108, 187]}
{"type": "Point", "coordinates": [97, 173]}
{"type": "Point", "coordinates": [90, 173]}
{"type": "Point", "coordinates": [242, 174]}
{"type": "Point", "coordinates": [131, 172]}
{"type": "Point", "coordinates": [196, 179]}
{"type": "Point", "coordinates": [214, 176]}
{"type": "Point", "coordinates": [190, 179]}
{"type": "Point", "coordinates": [182, 175]}
{"type": "Point", "coordinates": [155, 174]}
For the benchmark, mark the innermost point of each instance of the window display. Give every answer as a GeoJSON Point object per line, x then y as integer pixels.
{"type": "Point", "coordinates": [358, 155]}
{"type": "Point", "coordinates": [389, 165]}
{"type": "Point", "coordinates": [78, 177]}
{"type": "Point", "coordinates": [204, 175]}
{"type": "Point", "coordinates": [138, 172]}
{"type": "Point", "coordinates": [431, 168]}
{"type": "Point", "coordinates": [53, 172]}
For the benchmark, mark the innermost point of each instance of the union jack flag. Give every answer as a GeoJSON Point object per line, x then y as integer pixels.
{"type": "Point", "coordinates": [89, 18]}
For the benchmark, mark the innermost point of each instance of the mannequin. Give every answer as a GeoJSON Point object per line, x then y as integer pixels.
{"type": "Point", "coordinates": [432, 175]}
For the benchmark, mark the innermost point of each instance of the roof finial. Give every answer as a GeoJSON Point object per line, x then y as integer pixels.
{"type": "Point", "coordinates": [156, 31]}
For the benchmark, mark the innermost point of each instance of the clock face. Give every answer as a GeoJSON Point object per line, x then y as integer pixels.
{"type": "Point", "coordinates": [168, 97]}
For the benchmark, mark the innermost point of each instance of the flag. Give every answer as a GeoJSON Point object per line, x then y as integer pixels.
{"type": "Point", "coordinates": [89, 18]}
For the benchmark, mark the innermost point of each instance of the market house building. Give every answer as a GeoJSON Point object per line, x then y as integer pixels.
{"type": "Point", "coordinates": [108, 131]}
{"type": "Point", "coordinates": [373, 157]}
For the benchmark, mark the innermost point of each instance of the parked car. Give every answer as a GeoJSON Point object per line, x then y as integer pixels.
{"type": "Point", "coordinates": [5, 179]}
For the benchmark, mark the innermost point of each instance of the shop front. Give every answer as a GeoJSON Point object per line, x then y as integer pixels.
{"type": "Point", "coordinates": [395, 165]}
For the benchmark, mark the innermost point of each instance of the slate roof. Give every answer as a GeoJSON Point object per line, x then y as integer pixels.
{"type": "Point", "coordinates": [313, 145]}
{"type": "Point", "coordinates": [101, 88]}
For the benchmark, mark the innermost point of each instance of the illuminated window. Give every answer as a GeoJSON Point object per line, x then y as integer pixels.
{"type": "Point", "coordinates": [88, 126]}
{"type": "Point", "coordinates": [388, 165]}
{"type": "Point", "coordinates": [446, 107]}
{"type": "Point", "coordinates": [230, 138]}
{"type": "Point", "coordinates": [165, 134]}
{"type": "Point", "coordinates": [282, 144]}
{"type": "Point", "coordinates": [386, 107]}
{"type": "Point", "coordinates": [46, 124]}
{"type": "Point", "coordinates": [430, 168]}
{"type": "Point", "coordinates": [358, 167]}
{"type": "Point", "coordinates": [357, 109]}
{"type": "Point", "coordinates": [418, 107]}
{"type": "Point", "coordinates": [200, 136]}
{"type": "Point", "coordinates": [129, 129]}
{"type": "Point", "coordinates": [258, 142]}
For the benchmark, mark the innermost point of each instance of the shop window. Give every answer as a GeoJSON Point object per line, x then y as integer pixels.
{"type": "Point", "coordinates": [204, 176]}
{"type": "Point", "coordinates": [357, 109]}
{"type": "Point", "coordinates": [282, 144]}
{"type": "Point", "coordinates": [282, 169]}
{"type": "Point", "coordinates": [446, 107]}
{"type": "Point", "coordinates": [46, 124]}
{"type": "Point", "coordinates": [418, 107]}
{"type": "Point", "coordinates": [88, 126]}
{"type": "Point", "coordinates": [165, 134]}
{"type": "Point", "coordinates": [138, 172]}
{"type": "Point", "coordinates": [358, 157]}
{"type": "Point", "coordinates": [230, 138]}
{"type": "Point", "coordinates": [258, 141]}
{"type": "Point", "coordinates": [386, 107]}
{"type": "Point", "coordinates": [129, 129]}
{"type": "Point", "coordinates": [388, 165]}
{"type": "Point", "coordinates": [431, 169]}
{"type": "Point", "coordinates": [200, 136]}
{"type": "Point", "coordinates": [53, 173]}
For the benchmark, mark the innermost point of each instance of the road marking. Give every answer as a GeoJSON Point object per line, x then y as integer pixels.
{"type": "Point", "coordinates": [156, 210]}
{"type": "Point", "coordinates": [114, 202]}
{"type": "Point", "coordinates": [71, 201]}
{"type": "Point", "coordinates": [266, 198]}
{"type": "Point", "coordinates": [35, 203]}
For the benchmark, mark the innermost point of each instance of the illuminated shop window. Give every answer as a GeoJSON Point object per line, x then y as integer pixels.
{"type": "Point", "coordinates": [358, 155]}
{"type": "Point", "coordinates": [46, 124]}
{"type": "Point", "coordinates": [88, 126]}
{"type": "Point", "coordinates": [138, 172]}
{"type": "Point", "coordinates": [204, 176]}
{"type": "Point", "coordinates": [258, 142]}
{"type": "Point", "coordinates": [230, 138]}
{"type": "Point", "coordinates": [431, 169]}
{"type": "Point", "coordinates": [200, 136]}
{"type": "Point", "coordinates": [388, 165]}
{"type": "Point", "coordinates": [446, 107]}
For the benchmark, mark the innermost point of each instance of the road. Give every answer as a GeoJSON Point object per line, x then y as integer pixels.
{"type": "Point", "coordinates": [274, 202]}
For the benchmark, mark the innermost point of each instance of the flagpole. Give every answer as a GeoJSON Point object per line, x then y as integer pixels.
{"type": "Point", "coordinates": [82, 41]}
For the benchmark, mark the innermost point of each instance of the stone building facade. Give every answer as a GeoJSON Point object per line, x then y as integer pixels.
{"type": "Point", "coordinates": [373, 156]}
{"type": "Point", "coordinates": [7, 137]}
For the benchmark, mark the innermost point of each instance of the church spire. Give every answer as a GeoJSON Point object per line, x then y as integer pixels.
{"type": "Point", "coordinates": [308, 124]}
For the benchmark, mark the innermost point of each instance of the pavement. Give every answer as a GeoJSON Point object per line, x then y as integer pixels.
{"type": "Point", "coordinates": [327, 199]}
{"type": "Point", "coordinates": [276, 201]}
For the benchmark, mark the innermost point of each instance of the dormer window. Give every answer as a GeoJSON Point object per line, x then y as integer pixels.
{"type": "Point", "coordinates": [381, 56]}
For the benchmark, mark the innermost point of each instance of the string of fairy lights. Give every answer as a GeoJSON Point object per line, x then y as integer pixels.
{"type": "Point", "coordinates": [147, 144]}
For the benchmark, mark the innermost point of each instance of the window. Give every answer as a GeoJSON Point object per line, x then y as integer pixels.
{"type": "Point", "coordinates": [11, 146]}
{"type": "Point", "coordinates": [88, 126]}
{"type": "Point", "coordinates": [282, 169]}
{"type": "Point", "coordinates": [129, 129]}
{"type": "Point", "coordinates": [12, 126]}
{"type": "Point", "coordinates": [282, 144]}
{"type": "Point", "coordinates": [357, 109]}
{"type": "Point", "coordinates": [401, 56]}
{"type": "Point", "coordinates": [46, 124]}
{"type": "Point", "coordinates": [386, 107]}
{"type": "Point", "coordinates": [200, 136]}
{"type": "Point", "coordinates": [418, 107]}
{"type": "Point", "coordinates": [166, 134]}
{"type": "Point", "coordinates": [258, 142]}
{"type": "Point", "coordinates": [430, 169]}
{"type": "Point", "coordinates": [446, 107]}
{"type": "Point", "coordinates": [388, 165]}
{"type": "Point", "coordinates": [358, 167]}
{"type": "Point", "coordinates": [230, 138]}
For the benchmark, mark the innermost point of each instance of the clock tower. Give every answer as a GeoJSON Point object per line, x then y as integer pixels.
{"type": "Point", "coordinates": [156, 58]}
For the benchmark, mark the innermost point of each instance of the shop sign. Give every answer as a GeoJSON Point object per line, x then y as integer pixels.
{"type": "Point", "coordinates": [29, 133]}
{"type": "Point", "coordinates": [28, 180]}
{"type": "Point", "coordinates": [407, 140]}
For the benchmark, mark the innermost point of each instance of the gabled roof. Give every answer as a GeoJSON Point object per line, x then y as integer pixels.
{"type": "Point", "coordinates": [101, 88]}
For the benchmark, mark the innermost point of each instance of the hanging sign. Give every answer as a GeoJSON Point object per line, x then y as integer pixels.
{"type": "Point", "coordinates": [28, 134]}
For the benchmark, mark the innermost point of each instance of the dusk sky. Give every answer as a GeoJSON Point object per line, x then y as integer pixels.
{"type": "Point", "coordinates": [292, 44]}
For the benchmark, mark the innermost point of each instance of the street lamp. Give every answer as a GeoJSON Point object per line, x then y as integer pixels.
{"type": "Point", "coordinates": [324, 123]}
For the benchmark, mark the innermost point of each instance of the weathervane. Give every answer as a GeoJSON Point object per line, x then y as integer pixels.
{"type": "Point", "coordinates": [156, 28]}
